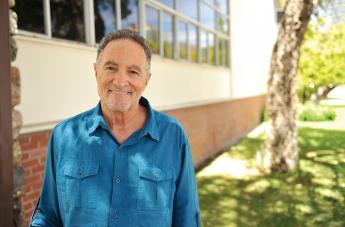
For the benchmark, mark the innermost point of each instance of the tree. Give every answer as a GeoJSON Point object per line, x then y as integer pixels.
{"type": "Point", "coordinates": [322, 60]}
{"type": "Point", "coordinates": [281, 143]}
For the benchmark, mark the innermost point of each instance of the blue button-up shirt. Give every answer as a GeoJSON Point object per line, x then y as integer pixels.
{"type": "Point", "coordinates": [92, 180]}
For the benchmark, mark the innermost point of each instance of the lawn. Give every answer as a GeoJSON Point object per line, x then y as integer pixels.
{"type": "Point", "coordinates": [234, 193]}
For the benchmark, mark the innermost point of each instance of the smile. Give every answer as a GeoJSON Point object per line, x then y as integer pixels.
{"type": "Point", "coordinates": [116, 92]}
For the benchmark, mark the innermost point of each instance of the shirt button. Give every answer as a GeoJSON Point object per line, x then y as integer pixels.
{"type": "Point", "coordinates": [114, 215]}
{"type": "Point", "coordinates": [117, 180]}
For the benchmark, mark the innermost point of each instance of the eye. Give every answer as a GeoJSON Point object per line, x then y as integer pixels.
{"type": "Point", "coordinates": [133, 72]}
{"type": "Point", "coordinates": [109, 68]}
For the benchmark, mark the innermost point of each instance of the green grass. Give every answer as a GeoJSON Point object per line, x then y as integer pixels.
{"type": "Point", "coordinates": [313, 195]}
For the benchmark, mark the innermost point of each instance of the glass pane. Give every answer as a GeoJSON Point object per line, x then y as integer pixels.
{"type": "Point", "coordinates": [105, 17]}
{"type": "Point", "coordinates": [203, 46]}
{"type": "Point", "coordinates": [226, 48]}
{"type": "Point", "coordinates": [169, 3]}
{"type": "Point", "coordinates": [30, 15]}
{"type": "Point", "coordinates": [221, 52]}
{"type": "Point", "coordinates": [152, 29]}
{"type": "Point", "coordinates": [67, 19]}
{"type": "Point", "coordinates": [193, 42]}
{"type": "Point", "coordinates": [222, 23]}
{"type": "Point", "coordinates": [222, 5]}
{"type": "Point", "coordinates": [212, 48]}
{"type": "Point", "coordinates": [188, 8]}
{"type": "Point", "coordinates": [129, 14]}
{"type": "Point", "coordinates": [182, 40]}
{"type": "Point", "coordinates": [168, 35]}
{"type": "Point", "coordinates": [207, 16]}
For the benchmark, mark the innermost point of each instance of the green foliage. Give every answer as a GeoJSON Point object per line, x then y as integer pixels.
{"type": "Point", "coordinates": [322, 59]}
{"type": "Point", "coordinates": [313, 195]}
{"type": "Point", "coordinates": [313, 112]}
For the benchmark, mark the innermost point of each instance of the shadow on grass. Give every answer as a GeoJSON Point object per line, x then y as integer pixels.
{"type": "Point", "coordinates": [313, 195]}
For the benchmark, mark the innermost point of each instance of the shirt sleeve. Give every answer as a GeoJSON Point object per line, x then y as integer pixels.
{"type": "Point", "coordinates": [47, 211]}
{"type": "Point", "coordinates": [186, 212]}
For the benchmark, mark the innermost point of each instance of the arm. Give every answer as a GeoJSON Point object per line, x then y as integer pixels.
{"type": "Point", "coordinates": [47, 211]}
{"type": "Point", "coordinates": [186, 211]}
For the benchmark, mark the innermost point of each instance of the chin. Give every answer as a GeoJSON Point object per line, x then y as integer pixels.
{"type": "Point", "coordinates": [119, 107]}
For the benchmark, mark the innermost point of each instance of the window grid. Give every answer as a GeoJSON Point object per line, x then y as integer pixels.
{"type": "Point", "coordinates": [221, 39]}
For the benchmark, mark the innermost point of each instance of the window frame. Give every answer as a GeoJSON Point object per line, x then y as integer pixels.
{"type": "Point", "coordinates": [219, 35]}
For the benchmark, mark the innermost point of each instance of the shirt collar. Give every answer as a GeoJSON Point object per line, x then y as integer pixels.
{"type": "Point", "coordinates": [150, 126]}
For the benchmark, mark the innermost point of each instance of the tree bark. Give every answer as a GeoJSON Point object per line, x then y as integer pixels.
{"type": "Point", "coordinates": [281, 152]}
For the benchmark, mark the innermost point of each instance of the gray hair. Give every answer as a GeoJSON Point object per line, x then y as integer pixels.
{"type": "Point", "coordinates": [125, 34]}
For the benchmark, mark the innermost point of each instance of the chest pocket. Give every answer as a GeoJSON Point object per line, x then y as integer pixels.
{"type": "Point", "coordinates": [81, 185]}
{"type": "Point", "coordinates": [154, 189]}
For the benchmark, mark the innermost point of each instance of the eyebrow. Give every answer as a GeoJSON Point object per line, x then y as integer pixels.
{"type": "Point", "coordinates": [135, 67]}
{"type": "Point", "coordinates": [110, 63]}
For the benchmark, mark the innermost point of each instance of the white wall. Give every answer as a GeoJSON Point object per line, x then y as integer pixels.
{"type": "Point", "coordinates": [58, 79]}
{"type": "Point", "coordinates": [253, 33]}
{"type": "Point", "coordinates": [58, 82]}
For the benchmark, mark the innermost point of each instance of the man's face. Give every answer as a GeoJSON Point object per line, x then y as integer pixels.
{"type": "Point", "coordinates": [121, 75]}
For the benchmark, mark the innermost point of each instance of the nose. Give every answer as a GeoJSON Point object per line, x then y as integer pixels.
{"type": "Point", "coordinates": [120, 80]}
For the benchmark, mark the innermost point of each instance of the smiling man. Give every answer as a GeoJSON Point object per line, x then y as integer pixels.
{"type": "Point", "coordinates": [121, 163]}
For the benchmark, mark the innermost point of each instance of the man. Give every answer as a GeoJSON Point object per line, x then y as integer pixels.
{"type": "Point", "coordinates": [121, 163]}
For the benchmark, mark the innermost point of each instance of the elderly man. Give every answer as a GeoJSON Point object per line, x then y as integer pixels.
{"type": "Point", "coordinates": [121, 163]}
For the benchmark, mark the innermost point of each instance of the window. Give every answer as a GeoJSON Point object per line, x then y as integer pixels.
{"type": "Point", "coordinates": [30, 15]}
{"type": "Point", "coordinates": [191, 30]}
{"type": "Point", "coordinates": [152, 29]}
{"type": "Point", "coordinates": [212, 49]}
{"type": "Point", "coordinates": [193, 42]}
{"type": "Point", "coordinates": [67, 20]}
{"type": "Point", "coordinates": [129, 14]}
{"type": "Point", "coordinates": [207, 16]}
{"type": "Point", "coordinates": [168, 36]}
{"type": "Point", "coordinates": [105, 17]}
{"type": "Point", "coordinates": [188, 8]}
{"type": "Point", "coordinates": [222, 5]}
{"type": "Point", "coordinates": [203, 47]}
{"type": "Point", "coordinates": [169, 3]}
{"type": "Point", "coordinates": [182, 40]}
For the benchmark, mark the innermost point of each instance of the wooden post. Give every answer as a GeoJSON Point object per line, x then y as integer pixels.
{"type": "Point", "coordinates": [6, 177]}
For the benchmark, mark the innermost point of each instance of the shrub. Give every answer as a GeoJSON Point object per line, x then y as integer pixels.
{"type": "Point", "coordinates": [312, 112]}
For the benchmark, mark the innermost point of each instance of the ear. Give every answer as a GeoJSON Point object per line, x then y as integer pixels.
{"type": "Point", "coordinates": [148, 77]}
{"type": "Point", "coordinates": [95, 69]}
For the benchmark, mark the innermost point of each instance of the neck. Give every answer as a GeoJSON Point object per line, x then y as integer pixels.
{"type": "Point", "coordinates": [123, 124]}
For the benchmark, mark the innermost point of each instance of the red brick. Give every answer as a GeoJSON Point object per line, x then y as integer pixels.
{"type": "Point", "coordinates": [25, 156]}
{"type": "Point", "coordinates": [31, 180]}
{"type": "Point", "coordinates": [43, 143]}
{"type": "Point", "coordinates": [29, 197]}
{"type": "Point", "coordinates": [35, 153]}
{"type": "Point", "coordinates": [27, 172]}
{"type": "Point", "coordinates": [29, 146]}
{"type": "Point", "coordinates": [38, 169]}
{"type": "Point", "coordinates": [28, 206]}
{"type": "Point", "coordinates": [37, 186]}
{"type": "Point", "coordinates": [29, 163]}
{"type": "Point", "coordinates": [26, 188]}
{"type": "Point", "coordinates": [24, 139]}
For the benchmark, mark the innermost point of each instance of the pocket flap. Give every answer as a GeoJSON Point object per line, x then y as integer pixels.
{"type": "Point", "coordinates": [154, 174]}
{"type": "Point", "coordinates": [81, 171]}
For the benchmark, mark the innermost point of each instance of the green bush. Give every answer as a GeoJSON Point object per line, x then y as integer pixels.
{"type": "Point", "coordinates": [313, 112]}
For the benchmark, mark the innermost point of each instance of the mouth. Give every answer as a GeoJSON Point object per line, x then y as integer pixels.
{"type": "Point", "coordinates": [117, 92]}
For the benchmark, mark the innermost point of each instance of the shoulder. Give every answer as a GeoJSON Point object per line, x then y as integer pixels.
{"type": "Point", "coordinates": [164, 119]}
{"type": "Point", "coordinates": [169, 124]}
{"type": "Point", "coordinates": [81, 121]}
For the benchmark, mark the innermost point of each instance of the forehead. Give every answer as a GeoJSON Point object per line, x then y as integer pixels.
{"type": "Point", "coordinates": [124, 49]}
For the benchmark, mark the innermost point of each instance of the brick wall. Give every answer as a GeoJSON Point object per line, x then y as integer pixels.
{"type": "Point", "coordinates": [33, 159]}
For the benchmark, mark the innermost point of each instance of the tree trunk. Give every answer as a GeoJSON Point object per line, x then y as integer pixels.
{"type": "Point", "coordinates": [281, 152]}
